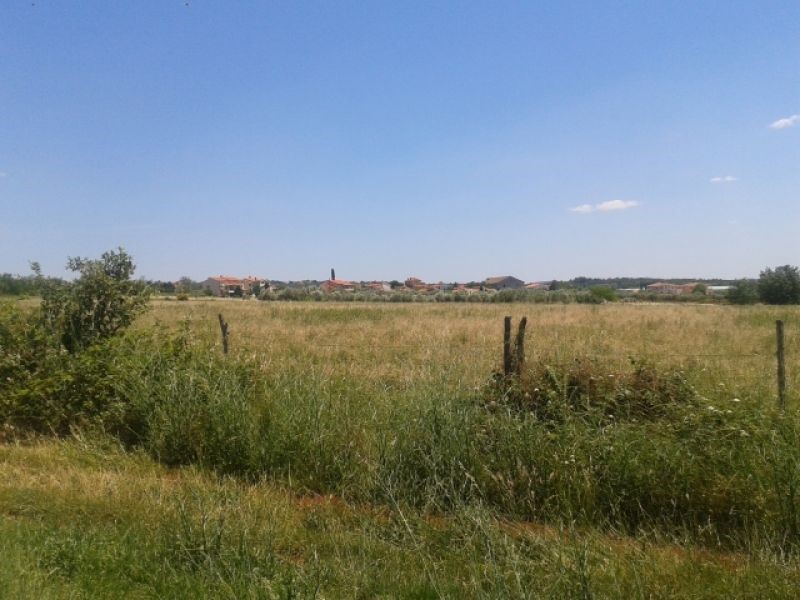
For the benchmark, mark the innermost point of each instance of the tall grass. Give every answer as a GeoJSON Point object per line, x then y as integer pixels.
{"type": "Point", "coordinates": [647, 453]}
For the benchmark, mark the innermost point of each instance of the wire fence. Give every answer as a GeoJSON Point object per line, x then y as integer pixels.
{"type": "Point", "coordinates": [486, 352]}
{"type": "Point", "coordinates": [240, 339]}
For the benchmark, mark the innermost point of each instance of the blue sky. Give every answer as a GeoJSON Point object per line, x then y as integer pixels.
{"type": "Point", "coordinates": [451, 141]}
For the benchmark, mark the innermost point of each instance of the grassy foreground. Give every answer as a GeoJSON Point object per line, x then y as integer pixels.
{"type": "Point", "coordinates": [363, 451]}
{"type": "Point", "coordinates": [82, 519]}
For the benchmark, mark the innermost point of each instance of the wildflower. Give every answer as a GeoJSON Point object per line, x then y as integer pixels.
{"type": "Point", "coordinates": [736, 400]}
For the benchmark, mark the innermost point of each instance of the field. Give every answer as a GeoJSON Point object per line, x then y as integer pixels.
{"type": "Point", "coordinates": [365, 450]}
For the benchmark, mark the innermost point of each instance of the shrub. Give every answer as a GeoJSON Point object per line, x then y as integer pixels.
{"type": "Point", "coordinates": [743, 291]}
{"type": "Point", "coordinates": [583, 388]}
{"type": "Point", "coordinates": [604, 293]}
{"type": "Point", "coordinates": [102, 301]}
{"type": "Point", "coordinates": [45, 389]}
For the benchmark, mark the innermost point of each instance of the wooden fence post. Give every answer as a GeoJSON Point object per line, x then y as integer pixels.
{"type": "Point", "coordinates": [507, 346]}
{"type": "Point", "coordinates": [223, 326]}
{"type": "Point", "coordinates": [520, 343]}
{"type": "Point", "coordinates": [781, 356]}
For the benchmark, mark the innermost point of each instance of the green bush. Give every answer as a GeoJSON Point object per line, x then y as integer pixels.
{"type": "Point", "coordinates": [604, 293]}
{"type": "Point", "coordinates": [45, 389]}
{"type": "Point", "coordinates": [101, 302]}
{"type": "Point", "coordinates": [743, 291]}
{"type": "Point", "coordinates": [60, 363]}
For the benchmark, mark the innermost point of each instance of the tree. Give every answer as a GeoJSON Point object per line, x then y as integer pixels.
{"type": "Point", "coordinates": [743, 291]}
{"type": "Point", "coordinates": [185, 285]}
{"type": "Point", "coordinates": [99, 303]}
{"type": "Point", "coordinates": [780, 285]}
{"type": "Point", "coordinates": [701, 289]}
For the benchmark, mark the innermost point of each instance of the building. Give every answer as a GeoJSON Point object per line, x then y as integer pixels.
{"type": "Point", "coordinates": [663, 287]}
{"type": "Point", "coordinates": [537, 285]}
{"type": "Point", "coordinates": [226, 286]}
{"type": "Point", "coordinates": [378, 286]}
{"type": "Point", "coordinates": [337, 285]}
{"type": "Point", "coordinates": [505, 282]}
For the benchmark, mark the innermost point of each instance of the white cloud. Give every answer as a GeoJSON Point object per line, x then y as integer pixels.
{"type": "Point", "coordinates": [786, 122]}
{"type": "Point", "coordinates": [607, 206]}
{"type": "Point", "coordinates": [724, 179]}
{"type": "Point", "coordinates": [610, 205]}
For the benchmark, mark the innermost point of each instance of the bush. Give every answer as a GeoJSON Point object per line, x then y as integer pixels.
{"type": "Point", "coordinates": [102, 301]}
{"type": "Point", "coordinates": [604, 293]}
{"type": "Point", "coordinates": [60, 365]}
{"type": "Point", "coordinates": [743, 292]}
{"type": "Point", "coordinates": [45, 389]}
{"type": "Point", "coordinates": [583, 388]}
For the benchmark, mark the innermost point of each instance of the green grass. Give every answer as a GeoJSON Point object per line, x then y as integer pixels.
{"type": "Point", "coordinates": [86, 520]}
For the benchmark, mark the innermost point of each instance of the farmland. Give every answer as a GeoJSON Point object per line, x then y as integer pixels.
{"type": "Point", "coordinates": [365, 450]}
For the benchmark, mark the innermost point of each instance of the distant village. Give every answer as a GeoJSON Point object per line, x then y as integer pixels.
{"type": "Point", "coordinates": [226, 286]}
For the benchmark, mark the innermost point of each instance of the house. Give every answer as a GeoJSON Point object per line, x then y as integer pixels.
{"type": "Point", "coordinates": [536, 285]}
{"type": "Point", "coordinates": [378, 286]}
{"type": "Point", "coordinates": [337, 285]}
{"type": "Point", "coordinates": [505, 282]}
{"type": "Point", "coordinates": [663, 287]}
{"type": "Point", "coordinates": [226, 286]}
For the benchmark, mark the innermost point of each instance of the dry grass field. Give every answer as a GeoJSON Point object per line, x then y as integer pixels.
{"type": "Point", "coordinates": [390, 346]}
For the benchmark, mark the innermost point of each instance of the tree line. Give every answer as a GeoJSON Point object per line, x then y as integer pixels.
{"type": "Point", "coordinates": [780, 285]}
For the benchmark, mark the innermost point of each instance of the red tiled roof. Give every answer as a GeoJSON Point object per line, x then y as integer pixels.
{"type": "Point", "coordinates": [226, 279]}
{"type": "Point", "coordinates": [230, 280]}
{"type": "Point", "coordinates": [338, 282]}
